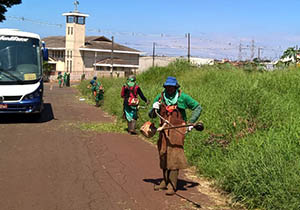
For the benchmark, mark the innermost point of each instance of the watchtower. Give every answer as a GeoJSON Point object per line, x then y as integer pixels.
{"type": "Point", "coordinates": [75, 38]}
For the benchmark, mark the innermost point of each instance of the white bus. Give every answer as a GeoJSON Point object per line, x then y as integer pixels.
{"type": "Point", "coordinates": [21, 72]}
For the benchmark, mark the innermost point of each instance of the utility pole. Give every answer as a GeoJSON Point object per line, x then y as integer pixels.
{"type": "Point", "coordinates": [240, 52]}
{"type": "Point", "coordinates": [189, 47]}
{"type": "Point", "coordinates": [112, 56]}
{"type": "Point", "coordinates": [252, 50]}
{"type": "Point", "coordinates": [259, 52]}
{"type": "Point", "coordinates": [95, 60]}
{"type": "Point", "coordinates": [153, 56]}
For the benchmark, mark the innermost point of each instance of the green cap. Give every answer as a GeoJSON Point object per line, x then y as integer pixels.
{"type": "Point", "coordinates": [130, 83]}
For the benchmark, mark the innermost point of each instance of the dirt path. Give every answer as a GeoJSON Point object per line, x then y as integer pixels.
{"type": "Point", "coordinates": [52, 165]}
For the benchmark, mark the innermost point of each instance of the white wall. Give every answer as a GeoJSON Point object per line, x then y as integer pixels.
{"type": "Point", "coordinates": [146, 62]}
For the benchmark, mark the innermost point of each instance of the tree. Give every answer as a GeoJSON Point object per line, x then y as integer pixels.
{"type": "Point", "coordinates": [290, 55]}
{"type": "Point", "coordinates": [7, 4]}
{"type": "Point", "coordinates": [46, 71]}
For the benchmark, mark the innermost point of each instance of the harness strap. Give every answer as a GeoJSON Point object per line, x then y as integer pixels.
{"type": "Point", "coordinates": [169, 108]}
{"type": "Point", "coordinates": [134, 91]}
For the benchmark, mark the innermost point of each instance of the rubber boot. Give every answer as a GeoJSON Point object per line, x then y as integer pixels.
{"type": "Point", "coordinates": [128, 126]}
{"type": "Point", "coordinates": [163, 183]}
{"type": "Point", "coordinates": [172, 185]}
{"type": "Point", "coordinates": [132, 127]}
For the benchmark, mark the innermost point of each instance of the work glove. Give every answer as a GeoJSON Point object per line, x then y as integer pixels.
{"type": "Point", "coordinates": [190, 128]}
{"type": "Point", "coordinates": [156, 105]}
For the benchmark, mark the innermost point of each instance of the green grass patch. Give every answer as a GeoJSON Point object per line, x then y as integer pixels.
{"type": "Point", "coordinates": [251, 142]}
{"type": "Point", "coordinates": [103, 127]}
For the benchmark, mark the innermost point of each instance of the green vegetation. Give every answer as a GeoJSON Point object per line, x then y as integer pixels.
{"type": "Point", "coordinates": [103, 127]}
{"type": "Point", "coordinates": [251, 142]}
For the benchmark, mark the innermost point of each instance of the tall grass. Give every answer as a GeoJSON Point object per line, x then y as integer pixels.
{"type": "Point", "coordinates": [250, 145]}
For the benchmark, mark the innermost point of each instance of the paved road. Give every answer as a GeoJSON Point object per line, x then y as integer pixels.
{"type": "Point", "coordinates": [50, 164]}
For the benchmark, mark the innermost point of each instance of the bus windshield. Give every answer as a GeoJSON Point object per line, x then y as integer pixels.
{"type": "Point", "coordinates": [20, 60]}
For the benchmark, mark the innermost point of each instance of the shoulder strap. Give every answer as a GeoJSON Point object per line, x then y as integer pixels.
{"type": "Point", "coordinates": [136, 87]}
{"type": "Point", "coordinates": [134, 91]}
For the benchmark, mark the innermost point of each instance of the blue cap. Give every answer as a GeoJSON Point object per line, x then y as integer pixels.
{"type": "Point", "coordinates": [171, 81]}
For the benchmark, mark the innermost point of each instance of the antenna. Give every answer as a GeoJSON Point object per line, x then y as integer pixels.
{"type": "Point", "coordinates": [76, 3]}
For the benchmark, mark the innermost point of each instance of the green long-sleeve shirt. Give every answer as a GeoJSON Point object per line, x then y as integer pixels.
{"type": "Point", "coordinates": [185, 102]}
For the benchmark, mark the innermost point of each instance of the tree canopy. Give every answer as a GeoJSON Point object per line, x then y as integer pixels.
{"type": "Point", "coordinates": [7, 4]}
{"type": "Point", "coordinates": [291, 53]}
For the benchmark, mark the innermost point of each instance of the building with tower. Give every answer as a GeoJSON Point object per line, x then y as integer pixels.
{"type": "Point", "coordinates": [89, 55]}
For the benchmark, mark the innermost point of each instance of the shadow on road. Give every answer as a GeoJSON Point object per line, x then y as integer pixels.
{"type": "Point", "coordinates": [182, 185]}
{"type": "Point", "coordinates": [46, 116]}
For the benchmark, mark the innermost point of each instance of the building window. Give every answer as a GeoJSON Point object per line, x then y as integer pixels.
{"type": "Point", "coordinates": [100, 68]}
{"type": "Point", "coordinates": [67, 66]}
{"type": "Point", "coordinates": [70, 54]}
{"type": "Point", "coordinates": [70, 19]}
{"type": "Point", "coordinates": [68, 30]}
{"type": "Point", "coordinates": [71, 30]}
{"type": "Point", "coordinates": [80, 20]}
{"type": "Point", "coordinates": [70, 66]}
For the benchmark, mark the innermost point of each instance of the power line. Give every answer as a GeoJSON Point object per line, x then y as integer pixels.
{"type": "Point", "coordinates": [223, 46]}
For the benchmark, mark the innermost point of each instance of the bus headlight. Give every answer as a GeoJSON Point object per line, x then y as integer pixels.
{"type": "Point", "coordinates": [35, 94]}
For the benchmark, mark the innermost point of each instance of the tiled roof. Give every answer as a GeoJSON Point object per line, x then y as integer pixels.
{"type": "Point", "coordinates": [115, 61]}
{"type": "Point", "coordinates": [91, 42]}
{"type": "Point", "coordinates": [55, 41]}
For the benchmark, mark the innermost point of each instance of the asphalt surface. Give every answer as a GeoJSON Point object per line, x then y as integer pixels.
{"type": "Point", "coordinates": [50, 164]}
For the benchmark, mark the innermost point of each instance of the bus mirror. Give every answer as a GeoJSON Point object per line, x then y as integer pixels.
{"type": "Point", "coordinates": [44, 52]}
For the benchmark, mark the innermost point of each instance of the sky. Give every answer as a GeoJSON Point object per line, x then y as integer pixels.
{"type": "Point", "coordinates": [220, 29]}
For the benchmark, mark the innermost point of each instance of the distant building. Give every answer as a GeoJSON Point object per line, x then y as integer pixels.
{"type": "Point", "coordinates": [91, 55]}
{"type": "Point", "coordinates": [202, 61]}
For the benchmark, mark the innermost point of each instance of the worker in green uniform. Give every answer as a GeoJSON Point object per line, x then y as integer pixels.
{"type": "Point", "coordinates": [130, 92]}
{"type": "Point", "coordinates": [98, 92]}
{"type": "Point", "coordinates": [90, 86]}
{"type": "Point", "coordinates": [65, 79]}
{"type": "Point", "coordinates": [170, 105]}
{"type": "Point", "coordinates": [68, 77]}
{"type": "Point", "coordinates": [60, 79]}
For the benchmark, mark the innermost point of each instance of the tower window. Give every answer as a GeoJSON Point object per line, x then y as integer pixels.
{"type": "Point", "coordinates": [80, 20]}
{"type": "Point", "coordinates": [70, 19]}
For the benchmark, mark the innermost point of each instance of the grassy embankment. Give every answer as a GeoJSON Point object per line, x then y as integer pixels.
{"type": "Point", "coordinates": [251, 143]}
